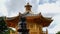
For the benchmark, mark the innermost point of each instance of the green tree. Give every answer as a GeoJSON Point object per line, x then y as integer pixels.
{"type": "Point", "coordinates": [58, 32]}
{"type": "Point", "coordinates": [3, 26]}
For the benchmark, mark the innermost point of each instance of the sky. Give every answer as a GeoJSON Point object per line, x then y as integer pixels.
{"type": "Point", "coordinates": [48, 8]}
{"type": "Point", "coordinates": [51, 8]}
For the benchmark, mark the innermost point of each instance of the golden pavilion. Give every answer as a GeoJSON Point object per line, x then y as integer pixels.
{"type": "Point", "coordinates": [35, 22]}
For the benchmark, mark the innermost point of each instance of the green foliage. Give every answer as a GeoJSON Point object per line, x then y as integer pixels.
{"type": "Point", "coordinates": [58, 32]}
{"type": "Point", "coordinates": [3, 26]}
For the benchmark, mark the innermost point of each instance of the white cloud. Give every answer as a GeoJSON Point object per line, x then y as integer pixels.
{"type": "Point", "coordinates": [49, 8]}
{"type": "Point", "coordinates": [15, 6]}
{"type": "Point", "coordinates": [8, 7]}
{"type": "Point", "coordinates": [3, 9]}
{"type": "Point", "coordinates": [55, 29]}
{"type": "Point", "coordinates": [46, 1]}
{"type": "Point", "coordinates": [52, 9]}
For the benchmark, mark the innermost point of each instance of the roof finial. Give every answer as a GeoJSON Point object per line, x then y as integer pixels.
{"type": "Point", "coordinates": [28, 3]}
{"type": "Point", "coordinates": [28, 7]}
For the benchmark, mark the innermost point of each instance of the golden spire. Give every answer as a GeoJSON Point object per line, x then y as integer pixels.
{"type": "Point", "coordinates": [28, 7]}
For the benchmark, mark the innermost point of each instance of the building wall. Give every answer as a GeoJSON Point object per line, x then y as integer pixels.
{"type": "Point", "coordinates": [34, 28]}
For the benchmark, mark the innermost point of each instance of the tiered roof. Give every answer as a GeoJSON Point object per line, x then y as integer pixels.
{"type": "Point", "coordinates": [30, 18]}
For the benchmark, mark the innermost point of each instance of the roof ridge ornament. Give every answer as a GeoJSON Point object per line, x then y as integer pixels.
{"type": "Point", "coordinates": [28, 3]}
{"type": "Point", "coordinates": [28, 7]}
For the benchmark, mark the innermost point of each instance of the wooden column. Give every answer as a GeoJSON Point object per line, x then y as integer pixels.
{"type": "Point", "coordinates": [40, 29]}
{"type": "Point", "coordinates": [46, 31]}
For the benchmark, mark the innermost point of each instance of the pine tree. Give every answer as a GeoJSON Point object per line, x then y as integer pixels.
{"type": "Point", "coordinates": [3, 26]}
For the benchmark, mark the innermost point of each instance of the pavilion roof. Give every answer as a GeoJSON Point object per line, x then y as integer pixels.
{"type": "Point", "coordinates": [44, 21]}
